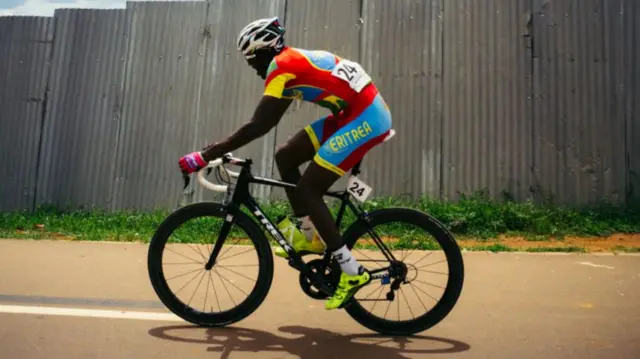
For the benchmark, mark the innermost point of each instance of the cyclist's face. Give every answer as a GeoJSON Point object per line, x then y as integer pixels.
{"type": "Point", "coordinates": [261, 63]}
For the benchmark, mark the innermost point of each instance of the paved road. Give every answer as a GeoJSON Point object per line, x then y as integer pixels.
{"type": "Point", "coordinates": [513, 305]}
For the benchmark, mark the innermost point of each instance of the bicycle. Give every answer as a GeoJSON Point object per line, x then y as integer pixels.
{"type": "Point", "coordinates": [317, 277]}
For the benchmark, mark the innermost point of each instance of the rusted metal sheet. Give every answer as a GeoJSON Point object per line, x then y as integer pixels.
{"type": "Point", "coordinates": [578, 122]}
{"type": "Point", "coordinates": [165, 54]}
{"type": "Point", "coordinates": [487, 98]}
{"type": "Point", "coordinates": [230, 88]}
{"type": "Point", "coordinates": [25, 49]}
{"type": "Point", "coordinates": [83, 108]}
{"type": "Point", "coordinates": [403, 53]}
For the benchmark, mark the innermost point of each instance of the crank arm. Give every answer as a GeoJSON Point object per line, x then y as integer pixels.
{"type": "Point", "coordinates": [314, 278]}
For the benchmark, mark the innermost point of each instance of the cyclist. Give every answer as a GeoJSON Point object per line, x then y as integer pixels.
{"type": "Point", "coordinates": [359, 120]}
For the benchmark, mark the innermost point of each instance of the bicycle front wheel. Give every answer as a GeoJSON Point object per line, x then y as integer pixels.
{"type": "Point", "coordinates": [419, 243]}
{"type": "Point", "coordinates": [181, 247]}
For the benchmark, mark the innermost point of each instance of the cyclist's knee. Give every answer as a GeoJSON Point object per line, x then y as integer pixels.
{"type": "Point", "coordinates": [316, 181]}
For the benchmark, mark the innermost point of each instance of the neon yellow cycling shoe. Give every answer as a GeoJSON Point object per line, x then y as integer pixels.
{"type": "Point", "coordinates": [347, 287]}
{"type": "Point", "coordinates": [298, 240]}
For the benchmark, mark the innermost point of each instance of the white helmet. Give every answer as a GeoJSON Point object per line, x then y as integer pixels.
{"type": "Point", "coordinates": [260, 34]}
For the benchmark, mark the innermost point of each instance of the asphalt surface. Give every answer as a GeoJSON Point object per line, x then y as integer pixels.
{"type": "Point", "coordinates": [513, 305]}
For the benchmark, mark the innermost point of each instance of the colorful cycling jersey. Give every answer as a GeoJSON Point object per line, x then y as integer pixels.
{"type": "Point", "coordinates": [315, 76]}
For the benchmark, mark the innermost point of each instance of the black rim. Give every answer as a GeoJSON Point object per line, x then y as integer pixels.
{"type": "Point", "coordinates": [183, 308]}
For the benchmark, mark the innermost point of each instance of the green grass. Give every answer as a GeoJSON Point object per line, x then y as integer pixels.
{"type": "Point", "coordinates": [626, 249]}
{"type": "Point", "coordinates": [492, 248]}
{"type": "Point", "coordinates": [470, 217]}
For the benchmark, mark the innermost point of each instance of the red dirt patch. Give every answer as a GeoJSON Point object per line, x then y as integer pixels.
{"type": "Point", "coordinates": [590, 244]}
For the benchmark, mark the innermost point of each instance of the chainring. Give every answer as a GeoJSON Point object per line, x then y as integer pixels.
{"type": "Point", "coordinates": [323, 267]}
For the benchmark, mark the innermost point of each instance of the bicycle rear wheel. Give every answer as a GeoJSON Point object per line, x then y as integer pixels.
{"type": "Point", "coordinates": [193, 247]}
{"type": "Point", "coordinates": [405, 243]}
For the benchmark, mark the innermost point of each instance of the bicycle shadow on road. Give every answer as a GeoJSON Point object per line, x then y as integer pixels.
{"type": "Point", "coordinates": [308, 343]}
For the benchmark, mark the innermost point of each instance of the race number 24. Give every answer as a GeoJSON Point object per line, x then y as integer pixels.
{"type": "Point", "coordinates": [358, 189]}
{"type": "Point", "coordinates": [352, 73]}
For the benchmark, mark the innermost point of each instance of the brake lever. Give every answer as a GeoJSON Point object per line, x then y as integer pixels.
{"type": "Point", "coordinates": [187, 180]}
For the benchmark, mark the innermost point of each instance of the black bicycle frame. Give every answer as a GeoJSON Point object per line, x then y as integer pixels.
{"type": "Point", "coordinates": [241, 196]}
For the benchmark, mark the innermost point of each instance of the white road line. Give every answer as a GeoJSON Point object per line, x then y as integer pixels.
{"type": "Point", "coordinates": [94, 313]}
{"type": "Point", "coordinates": [595, 265]}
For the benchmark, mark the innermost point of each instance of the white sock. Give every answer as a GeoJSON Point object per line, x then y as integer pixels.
{"type": "Point", "coordinates": [348, 264]}
{"type": "Point", "coordinates": [307, 227]}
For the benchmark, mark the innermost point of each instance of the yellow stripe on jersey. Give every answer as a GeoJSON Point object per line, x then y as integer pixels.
{"type": "Point", "coordinates": [276, 85]}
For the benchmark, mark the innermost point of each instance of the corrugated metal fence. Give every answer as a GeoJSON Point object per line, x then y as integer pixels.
{"type": "Point", "coordinates": [523, 98]}
{"type": "Point", "coordinates": [25, 47]}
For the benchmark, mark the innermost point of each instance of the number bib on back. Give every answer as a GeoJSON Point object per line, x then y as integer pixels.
{"type": "Point", "coordinates": [352, 73]}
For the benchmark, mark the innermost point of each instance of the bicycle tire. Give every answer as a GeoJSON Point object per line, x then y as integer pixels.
{"type": "Point", "coordinates": [454, 282]}
{"type": "Point", "coordinates": [192, 315]}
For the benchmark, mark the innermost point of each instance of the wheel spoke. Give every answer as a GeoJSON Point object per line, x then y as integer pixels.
{"type": "Point", "coordinates": [416, 263]}
{"type": "Point", "coordinates": [240, 274]}
{"type": "Point", "coordinates": [230, 282]}
{"type": "Point", "coordinates": [198, 286]}
{"type": "Point", "coordinates": [180, 263]}
{"type": "Point", "coordinates": [198, 251]}
{"type": "Point", "coordinates": [387, 311]}
{"type": "Point", "coordinates": [430, 271]}
{"type": "Point", "coordinates": [378, 298]}
{"type": "Point", "coordinates": [221, 255]}
{"type": "Point", "coordinates": [183, 274]}
{"type": "Point", "coordinates": [186, 284]}
{"type": "Point", "coordinates": [406, 301]}
{"type": "Point", "coordinates": [234, 255]}
{"type": "Point", "coordinates": [213, 285]}
{"type": "Point", "coordinates": [225, 286]}
{"type": "Point", "coordinates": [206, 294]}
{"type": "Point", "coordinates": [423, 291]}
{"type": "Point", "coordinates": [429, 265]}
{"type": "Point", "coordinates": [423, 282]}
{"type": "Point", "coordinates": [420, 300]}
{"type": "Point", "coordinates": [182, 255]}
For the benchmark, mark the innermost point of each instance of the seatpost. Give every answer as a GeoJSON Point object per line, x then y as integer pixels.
{"type": "Point", "coordinates": [356, 169]}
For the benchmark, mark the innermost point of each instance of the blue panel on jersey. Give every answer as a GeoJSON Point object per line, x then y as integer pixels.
{"type": "Point", "coordinates": [272, 67]}
{"type": "Point", "coordinates": [322, 59]}
{"type": "Point", "coordinates": [302, 92]}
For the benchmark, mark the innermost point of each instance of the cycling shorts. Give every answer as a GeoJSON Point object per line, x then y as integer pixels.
{"type": "Point", "coordinates": [342, 140]}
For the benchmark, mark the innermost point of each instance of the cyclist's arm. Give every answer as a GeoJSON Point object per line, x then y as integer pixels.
{"type": "Point", "coordinates": [266, 116]}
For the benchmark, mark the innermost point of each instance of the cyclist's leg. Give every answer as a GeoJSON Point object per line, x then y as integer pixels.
{"type": "Point", "coordinates": [289, 157]}
{"type": "Point", "coordinates": [357, 133]}
{"type": "Point", "coordinates": [300, 149]}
